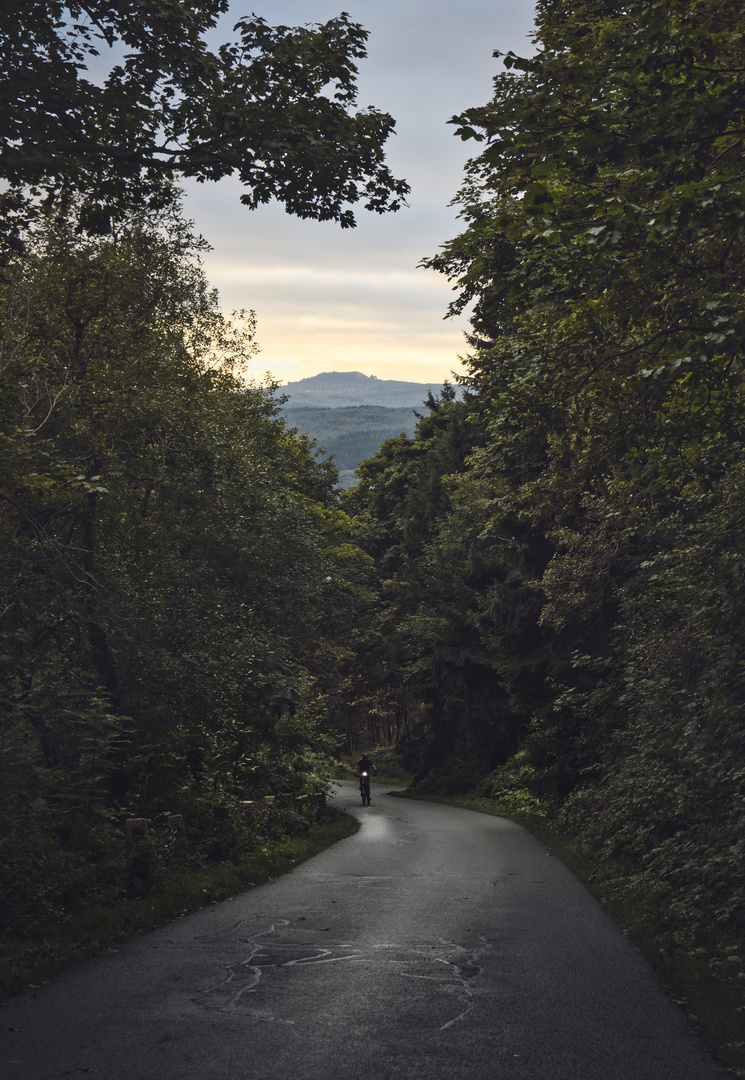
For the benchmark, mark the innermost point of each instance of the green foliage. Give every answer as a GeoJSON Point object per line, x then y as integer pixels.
{"type": "Point", "coordinates": [516, 787]}
{"type": "Point", "coordinates": [422, 676]}
{"type": "Point", "coordinates": [59, 943]}
{"type": "Point", "coordinates": [592, 533]}
{"type": "Point", "coordinates": [604, 256]}
{"type": "Point", "coordinates": [276, 107]}
{"type": "Point", "coordinates": [170, 557]}
{"type": "Point", "coordinates": [353, 433]}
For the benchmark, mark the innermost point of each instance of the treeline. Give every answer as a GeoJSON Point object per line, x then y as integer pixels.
{"type": "Point", "coordinates": [353, 433]}
{"type": "Point", "coordinates": [560, 557]}
{"type": "Point", "coordinates": [170, 561]}
{"type": "Point", "coordinates": [178, 588]}
{"type": "Point", "coordinates": [540, 594]}
{"type": "Point", "coordinates": [175, 579]}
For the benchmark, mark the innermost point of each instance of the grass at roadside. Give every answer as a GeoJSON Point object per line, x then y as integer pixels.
{"type": "Point", "coordinates": [715, 1005]}
{"type": "Point", "coordinates": [31, 959]}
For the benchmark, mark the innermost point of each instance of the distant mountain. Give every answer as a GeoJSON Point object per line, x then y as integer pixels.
{"type": "Point", "coordinates": [341, 389]}
{"type": "Point", "coordinates": [351, 414]}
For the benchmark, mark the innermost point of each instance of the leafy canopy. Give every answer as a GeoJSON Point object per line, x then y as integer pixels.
{"type": "Point", "coordinates": [171, 560]}
{"type": "Point", "coordinates": [276, 107]}
{"type": "Point", "coordinates": [604, 251]}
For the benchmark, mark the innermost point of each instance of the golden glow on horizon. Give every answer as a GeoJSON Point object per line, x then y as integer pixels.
{"type": "Point", "coordinates": [309, 347]}
{"type": "Point", "coordinates": [374, 320]}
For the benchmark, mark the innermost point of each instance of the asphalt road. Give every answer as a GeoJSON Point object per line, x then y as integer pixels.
{"type": "Point", "coordinates": [435, 943]}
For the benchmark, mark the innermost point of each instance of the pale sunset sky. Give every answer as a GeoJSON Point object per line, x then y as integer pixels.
{"type": "Point", "coordinates": [329, 299]}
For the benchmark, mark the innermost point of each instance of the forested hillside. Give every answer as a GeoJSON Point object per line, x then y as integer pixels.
{"type": "Point", "coordinates": [560, 608]}
{"type": "Point", "coordinates": [175, 577]}
{"type": "Point", "coordinates": [352, 434]}
{"type": "Point", "coordinates": [169, 555]}
{"type": "Point", "coordinates": [350, 414]}
{"type": "Point", "coordinates": [347, 389]}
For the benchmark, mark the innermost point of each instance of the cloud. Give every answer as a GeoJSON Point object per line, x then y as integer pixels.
{"type": "Point", "coordinates": [355, 299]}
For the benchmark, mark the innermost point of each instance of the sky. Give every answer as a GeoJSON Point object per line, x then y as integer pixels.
{"type": "Point", "coordinates": [328, 299]}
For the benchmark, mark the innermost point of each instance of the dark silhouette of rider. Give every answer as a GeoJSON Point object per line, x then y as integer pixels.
{"type": "Point", "coordinates": [365, 764]}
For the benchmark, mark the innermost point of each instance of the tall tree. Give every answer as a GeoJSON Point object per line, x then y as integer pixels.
{"type": "Point", "coordinates": [604, 250]}
{"type": "Point", "coordinates": [168, 554]}
{"type": "Point", "coordinates": [423, 676]}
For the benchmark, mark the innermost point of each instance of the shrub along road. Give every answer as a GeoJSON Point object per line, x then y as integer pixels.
{"type": "Point", "coordinates": [436, 942]}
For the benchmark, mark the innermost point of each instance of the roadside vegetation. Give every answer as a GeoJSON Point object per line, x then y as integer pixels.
{"type": "Point", "coordinates": [30, 958]}
{"type": "Point", "coordinates": [177, 582]}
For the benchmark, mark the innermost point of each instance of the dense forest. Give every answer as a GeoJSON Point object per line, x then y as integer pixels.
{"type": "Point", "coordinates": [349, 415]}
{"type": "Point", "coordinates": [176, 577]}
{"type": "Point", "coordinates": [351, 435]}
{"type": "Point", "coordinates": [539, 595]}
{"type": "Point", "coordinates": [560, 609]}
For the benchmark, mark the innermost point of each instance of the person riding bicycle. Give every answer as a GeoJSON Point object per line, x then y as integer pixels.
{"type": "Point", "coordinates": [363, 768]}
{"type": "Point", "coordinates": [365, 764]}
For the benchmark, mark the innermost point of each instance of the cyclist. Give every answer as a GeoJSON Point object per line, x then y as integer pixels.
{"type": "Point", "coordinates": [365, 765]}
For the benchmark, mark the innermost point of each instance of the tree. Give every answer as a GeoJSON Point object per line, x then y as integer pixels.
{"type": "Point", "coordinates": [424, 676]}
{"type": "Point", "coordinates": [169, 553]}
{"type": "Point", "coordinates": [276, 108]}
{"type": "Point", "coordinates": [604, 250]}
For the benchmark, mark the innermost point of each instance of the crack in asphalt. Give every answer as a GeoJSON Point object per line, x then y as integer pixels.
{"type": "Point", "coordinates": [245, 976]}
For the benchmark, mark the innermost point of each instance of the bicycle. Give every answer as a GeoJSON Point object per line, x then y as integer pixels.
{"type": "Point", "coordinates": [365, 788]}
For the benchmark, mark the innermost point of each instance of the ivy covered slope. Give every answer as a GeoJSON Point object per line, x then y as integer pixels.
{"type": "Point", "coordinates": [587, 554]}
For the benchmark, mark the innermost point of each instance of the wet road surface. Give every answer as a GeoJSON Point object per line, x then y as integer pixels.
{"type": "Point", "coordinates": [435, 943]}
